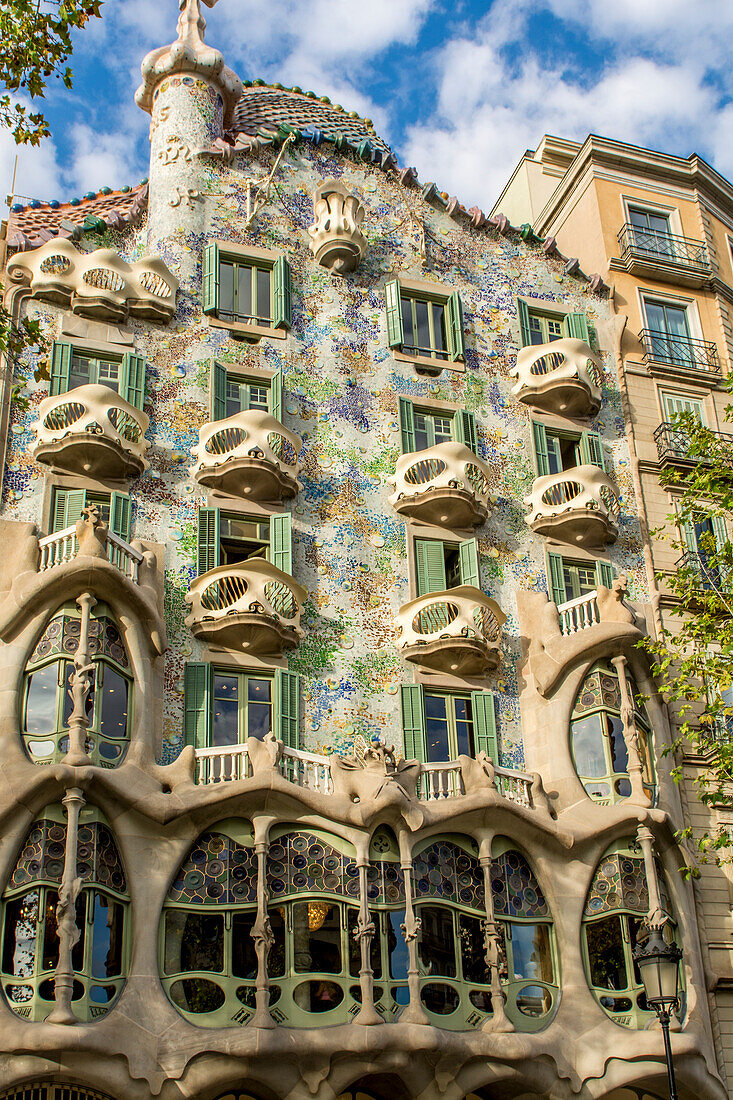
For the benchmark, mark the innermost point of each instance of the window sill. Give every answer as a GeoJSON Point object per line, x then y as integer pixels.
{"type": "Point", "coordinates": [248, 332]}
{"type": "Point", "coordinates": [427, 363]}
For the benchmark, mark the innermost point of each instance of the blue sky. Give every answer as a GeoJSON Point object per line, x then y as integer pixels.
{"type": "Point", "coordinates": [459, 88]}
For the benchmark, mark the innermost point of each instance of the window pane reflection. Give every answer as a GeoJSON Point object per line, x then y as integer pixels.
{"type": "Point", "coordinates": [473, 950]}
{"type": "Point", "coordinates": [532, 956]}
{"type": "Point", "coordinates": [20, 937]}
{"type": "Point", "coordinates": [590, 759]}
{"type": "Point", "coordinates": [193, 941]}
{"type": "Point", "coordinates": [436, 946]}
{"type": "Point", "coordinates": [225, 725]}
{"type": "Point", "coordinates": [106, 937]}
{"type": "Point", "coordinates": [436, 725]}
{"type": "Point", "coordinates": [244, 956]}
{"type": "Point", "coordinates": [259, 708]}
{"type": "Point", "coordinates": [398, 954]}
{"type": "Point", "coordinates": [113, 721]}
{"type": "Point", "coordinates": [42, 700]}
{"type": "Point", "coordinates": [316, 937]}
{"type": "Point", "coordinates": [606, 954]}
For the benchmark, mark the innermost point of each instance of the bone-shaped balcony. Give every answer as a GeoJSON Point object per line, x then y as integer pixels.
{"type": "Point", "coordinates": [249, 455]}
{"type": "Point", "coordinates": [92, 430]}
{"type": "Point", "coordinates": [561, 377]}
{"type": "Point", "coordinates": [446, 485]}
{"type": "Point", "coordinates": [251, 606]}
{"type": "Point", "coordinates": [578, 506]}
{"type": "Point", "coordinates": [457, 631]}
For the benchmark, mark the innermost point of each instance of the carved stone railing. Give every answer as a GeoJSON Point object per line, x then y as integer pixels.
{"type": "Point", "coordinates": [445, 485]}
{"type": "Point", "coordinates": [62, 546]}
{"type": "Point", "coordinates": [440, 780]}
{"type": "Point", "coordinates": [336, 239]}
{"type": "Point", "coordinates": [515, 786]}
{"type": "Point", "coordinates": [564, 376]}
{"type": "Point", "coordinates": [97, 284]}
{"type": "Point", "coordinates": [222, 764]}
{"type": "Point", "coordinates": [579, 506]}
{"type": "Point", "coordinates": [306, 769]}
{"type": "Point", "coordinates": [251, 606]}
{"type": "Point", "coordinates": [248, 455]}
{"type": "Point", "coordinates": [456, 631]}
{"type": "Point", "coordinates": [92, 430]}
{"type": "Point", "coordinates": [578, 614]}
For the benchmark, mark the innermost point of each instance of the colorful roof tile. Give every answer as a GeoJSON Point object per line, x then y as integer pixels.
{"type": "Point", "coordinates": [30, 226]}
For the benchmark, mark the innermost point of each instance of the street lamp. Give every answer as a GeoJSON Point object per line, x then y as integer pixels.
{"type": "Point", "coordinates": [659, 966]}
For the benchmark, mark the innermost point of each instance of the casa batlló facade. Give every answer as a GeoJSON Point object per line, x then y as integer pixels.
{"type": "Point", "coordinates": [331, 764]}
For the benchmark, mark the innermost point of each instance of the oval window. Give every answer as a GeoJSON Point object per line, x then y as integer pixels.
{"type": "Point", "coordinates": [616, 1004]}
{"type": "Point", "coordinates": [318, 996]}
{"type": "Point", "coordinates": [440, 998]}
{"type": "Point", "coordinates": [197, 995]}
{"type": "Point", "coordinates": [102, 994]}
{"type": "Point", "coordinates": [534, 1000]}
{"type": "Point", "coordinates": [480, 999]}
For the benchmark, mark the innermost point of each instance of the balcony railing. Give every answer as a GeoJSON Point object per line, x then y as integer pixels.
{"type": "Point", "coordinates": [706, 576]}
{"type": "Point", "coordinates": [92, 430]}
{"type": "Point", "coordinates": [446, 484]}
{"type": "Point", "coordinates": [306, 769]}
{"type": "Point", "coordinates": [663, 247]}
{"type": "Point", "coordinates": [579, 506]}
{"type": "Point", "coordinates": [578, 614]}
{"type": "Point", "coordinates": [564, 376]}
{"type": "Point", "coordinates": [458, 630]}
{"type": "Point", "coordinates": [222, 764]}
{"type": "Point", "coordinates": [248, 455]}
{"type": "Point", "coordinates": [680, 351]}
{"type": "Point", "coordinates": [62, 546]}
{"type": "Point", "coordinates": [673, 443]}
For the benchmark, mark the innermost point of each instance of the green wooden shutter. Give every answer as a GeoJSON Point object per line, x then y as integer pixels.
{"type": "Point", "coordinates": [523, 311]}
{"type": "Point", "coordinates": [413, 722]}
{"type": "Point", "coordinates": [407, 425]}
{"type": "Point", "coordinates": [282, 293]}
{"type": "Point", "coordinates": [218, 375]}
{"type": "Point", "coordinates": [208, 540]}
{"type": "Point", "coordinates": [556, 576]}
{"type": "Point", "coordinates": [576, 325]}
{"type": "Point", "coordinates": [119, 515]}
{"type": "Point", "coordinates": [60, 368]}
{"type": "Point", "coordinates": [287, 708]}
{"type": "Point", "coordinates": [281, 542]}
{"type": "Point", "coordinates": [484, 724]}
{"type": "Point", "coordinates": [604, 574]}
{"type": "Point", "coordinates": [591, 450]}
{"type": "Point", "coordinates": [456, 335]}
{"type": "Point", "coordinates": [393, 301]}
{"type": "Point", "coordinates": [539, 436]}
{"type": "Point", "coordinates": [720, 533]}
{"type": "Point", "coordinates": [276, 396]}
{"type": "Point", "coordinates": [689, 536]}
{"type": "Point", "coordinates": [210, 283]}
{"type": "Point", "coordinates": [132, 383]}
{"type": "Point", "coordinates": [430, 561]}
{"type": "Point", "coordinates": [68, 505]}
{"type": "Point", "coordinates": [197, 702]}
{"type": "Point", "coordinates": [463, 427]}
{"type": "Point", "coordinates": [468, 561]}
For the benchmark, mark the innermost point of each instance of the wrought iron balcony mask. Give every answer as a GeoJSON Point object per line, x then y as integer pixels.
{"type": "Point", "coordinates": [251, 606]}
{"type": "Point", "coordinates": [92, 430]}
{"type": "Point", "coordinates": [97, 284]}
{"type": "Point", "coordinates": [336, 238]}
{"type": "Point", "coordinates": [446, 484]}
{"type": "Point", "coordinates": [457, 631]}
{"type": "Point", "coordinates": [579, 506]}
{"type": "Point", "coordinates": [248, 455]}
{"type": "Point", "coordinates": [562, 377]}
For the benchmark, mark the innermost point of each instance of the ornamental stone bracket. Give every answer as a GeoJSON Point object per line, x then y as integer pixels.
{"type": "Point", "coordinates": [336, 238]}
{"type": "Point", "coordinates": [563, 377]}
{"type": "Point", "coordinates": [554, 648]}
{"type": "Point", "coordinates": [98, 284]}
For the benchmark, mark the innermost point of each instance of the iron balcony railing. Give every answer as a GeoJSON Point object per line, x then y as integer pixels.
{"type": "Point", "coordinates": [680, 351]}
{"type": "Point", "coordinates": [652, 244]}
{"type": "Point", "coordinates": [673, 443]}
{"type": "Point", "coordinates": [708, 578]}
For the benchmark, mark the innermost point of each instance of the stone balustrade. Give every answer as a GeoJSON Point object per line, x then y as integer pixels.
{"type": "Point", "coordinates": [457, 631]}
{"type": "Point", "coordinates": [578, 614]}
{"type": "Point", "coordinates": [249, 455]}
{"type": "Point", "coordinates": [92, 430]}
{"type": "Point", "coordinates": [564, 377]}
{"type": "Point", "coordinates": [62, 546]}
{"type": "Point", "coordinates": [579, 506]}
{"type": "Point", "coordinates": [447, 485]}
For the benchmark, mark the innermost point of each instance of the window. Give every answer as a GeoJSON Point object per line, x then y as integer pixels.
{"type": "Point", "coordinates": [557, 451]}
{"type": "Point", "coordinates": [229, 538]}
{"type": "Point", "coordinates": [225, 706]}
{"type": "Point", "coordinates": [30, 945]}
{"type": "Point", "coordinates": [678, 405]}
{"type": "Point", "coordinates": [598, 740]}
{"type": "Point", "coordinates": [439, 726]}
{"type": "Point", "coordinates": [67, 506]}
{"type": "Point", "coordinates": [570, 579]}
{"type": "Point", "coordinates": [47, 704]}
{"type": "Point", "coordinates": [651, 232]}
{"type": "Point", "coordinates": [443, 565]}
{"type": "Point", "coordinates": [250, 290]}
{"type": "Point", "coordinates": [233, 393]}
{"type": "Point", "coordinates": [425, 325]}
{"type": "Point", "coordinates": [705, 538]}
{"type": "Point", "coordinates": [538, 326]}
{"type": "Point", "coordinates": [72, 367]}
{"type": "Point", "coordinates": [669, 333]}
{"type": "Point", "coordinates": [423, 427]}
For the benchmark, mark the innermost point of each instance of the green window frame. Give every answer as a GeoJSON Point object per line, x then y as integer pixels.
{"type": "Point", "coordinates": [219, 532]}
{"type": "Point", "coordinates": [246, 290]}
{"type": "Point", "coordinates": [233, 392]}
{"type": "Point", "coordinates": [67, 506]}
{"type": "Point", "coordinates": [422, 427]}
{"type": "Point", "coordinates": [557, 451]}
{"type": "Point", "coordinates": [570, 578]}
{"type": "Point", "coordinates": [425, 325]}
{"type": "Point", "coordinates": [544, 326]}
{"type": "Point", "coordinates": [468, 722]}
{"type": "Point", "coordinates": [72, 367]}
{"type": "Point", "coordinates": [203, 728]}
{"type": "Point", "coordinates": [441, 565]}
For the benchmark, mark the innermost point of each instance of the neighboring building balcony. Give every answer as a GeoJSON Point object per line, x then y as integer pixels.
{"type": "Point", "coordinates": [446, 485]}
{"type": "Point", "coordinates": [249, 455]}
{"type": "Point", "coordinates": [92, 430]}
{"type": "Point", "coordinates": [456, 631]}
{"type": "Point", "coordinates": [657, 255]}
{"type": "Point", "coordinates": [251, 606]}
{"type": "Point", "coordinates": [704, 577]}
{"type": "Point", "coordinates": [700, 356]}
{"type": "Point", "coordinates": [579, 506]}
{"type": "Point", "coordinates": [673, 444]}
{"type": "Point", "coordinates": [561, 377]}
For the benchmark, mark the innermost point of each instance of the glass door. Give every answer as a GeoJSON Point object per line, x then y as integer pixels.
{"type": "Point", "coordinates": [670, 333]}
{"type": "Point", "coordinates": [651, 232]}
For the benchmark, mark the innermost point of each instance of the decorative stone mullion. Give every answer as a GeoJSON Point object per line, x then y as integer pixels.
{"type": "Point", "coordinates": [492, 947]}
{"type": "Point", "coordinates": [413, 1013]}
{"type": "Point", "coordinates": [631, 736]}
{"type": "Point", "coordinates": [67, 929]}
{"type": "Point", "coordinates": [81, 685]}
{"type": "Point", "coordinates": [365, 930]}
{"type": "Point", "coordinates": [262, 930]}
{"type": "Point", "coordinates": [655, 917]}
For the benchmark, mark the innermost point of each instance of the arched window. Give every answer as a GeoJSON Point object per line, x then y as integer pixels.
{"type": "Point", "coordinates": [617, 902]}
{"type": "Point", "coordinates": [30, 946]}
{"type": "Point", "coordinates": [597, 738]}
{"type": "Point", "coordinates": [46, 706]}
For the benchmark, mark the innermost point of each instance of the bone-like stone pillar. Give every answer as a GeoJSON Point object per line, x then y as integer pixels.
{"type": "Point", "coordinates": [68, 930]}
{"type": "Point", "coordinates": [81, 685]}
{"type": "Point", "coordinates": [413, 1013]}
{"type": "Point", "coordinates": [262, 930]}
{"type": "Point", "coordinates": [367, 1014]}
{"type": "Point", "coordinates": [631, 736]}
{"type": "Point", "coordinates": [499, 1020]}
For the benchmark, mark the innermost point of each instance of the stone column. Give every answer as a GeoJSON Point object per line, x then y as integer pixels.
{"type": "Point", "coordinates": [262, 931]}
{"type": "Point", "coordinates": [413, 1013]}
{"type": "Point", "coordinates": [655, 917]}
{"type": "Point", "coordinates": [367, 1014]}
{"type": "Point", "coordinates": [631, 736]}
{"type": "Point", "coordinates": [68, 930]}
{"type": "Point", "coordinates": [81, 685]}
{"type": "Point", "coordinates": [492, 945]}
